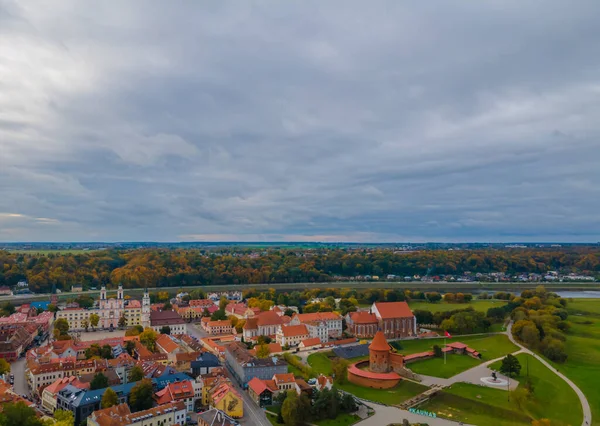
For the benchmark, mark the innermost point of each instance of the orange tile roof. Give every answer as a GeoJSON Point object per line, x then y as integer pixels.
{"type": "Point", "coordinates": [318, 316]}
{"type": "Point", "coordinates": [294, 330]}
{"type": "Point", "coordinates": [257, 385]}
{"type": "Point", "coordinates": [379, 342]}
{"type": "Point", "coordinates": [175, 391]}
{"type": "Point", "coordinates": [166, 342]}
{"type": "Point", "coordinates": [284, 378]}
{"type": "Point", "coordinates": [313, 341]}
{"type": "Point", "coordinates": [363, 317]}
{"type": "Point", "coordinates": [268, 318]}
{"type": "Point", "coordinates": [389, 310]}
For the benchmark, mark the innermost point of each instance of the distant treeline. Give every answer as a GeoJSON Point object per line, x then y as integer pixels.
{"type": "Point", "coordinates": [172, 268]}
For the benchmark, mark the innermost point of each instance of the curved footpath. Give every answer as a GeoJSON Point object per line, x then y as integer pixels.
{"type": "Point", "coordinates": [587, 412]}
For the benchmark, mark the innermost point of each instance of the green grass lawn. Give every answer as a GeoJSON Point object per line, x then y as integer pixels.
{"type": "Point", "coordinates": [435, 366]}
{"type": "Point", "coordinates": [583, 350]}
{"type": "Point", "coordinates": [320, 363]}
{"type": "Point", "coordinates": [478, 305]}
{"type": "Point", "coordinates": [553, 398]}
{"type": "Point", "coordinates": [341, 420]}
{"type": "Point", "coordinates": [590, 306]}
{"type": "Point", "coordinates": [403, 391]}
{"type": "Point", "coordinates": [490, 347]}
{"type": "Point", "coordinates": [476, 405]}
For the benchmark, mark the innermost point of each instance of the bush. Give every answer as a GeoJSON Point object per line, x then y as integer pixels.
{"type": "Point", "coordinates": [307, 372]}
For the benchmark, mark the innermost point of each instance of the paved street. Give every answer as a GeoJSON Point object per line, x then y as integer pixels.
{"type": "Point", "coordinates": [18, 369]}
{"type": "Point", "coordinates": [385, 415]}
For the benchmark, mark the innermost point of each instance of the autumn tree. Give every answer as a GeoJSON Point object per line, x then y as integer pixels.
{"type": "Point", "coordinates": [109, 399]}
{"type": "Point", "coordinates": [140, 397]}
{"type": "Point", "coordinates": [62, 325]}
{"type": "Point", "coordinates": [85, 324]}
{"type": "Point", "coordinates": [148, 339]}
{"type": "Point", "coordinates": [122, 322]}
{"type": "Point", "coordinates": [94, 320]}
{"type": "Point", "coordinates": [263, 351]}
{"type": "Point", "coordinates": [100, 381]}
{"type": "Point", "coordinates": [136, 374]}
{"type": "Point", "coordinates": [136, 330]}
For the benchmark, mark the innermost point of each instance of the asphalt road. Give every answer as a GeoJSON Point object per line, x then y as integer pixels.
{"type": "Point", "coordinates": [18, 369]}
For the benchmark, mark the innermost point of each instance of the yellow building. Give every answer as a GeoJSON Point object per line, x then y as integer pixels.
{"type": "Point", "coordinates": [225, 398]}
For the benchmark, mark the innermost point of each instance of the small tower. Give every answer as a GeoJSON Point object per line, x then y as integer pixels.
{"type": "Point", "coordinates": [379, 354]}
{"type": "Point", "coordinates": [103, 293]}
{"type": "Point", "coordinates": [146, 309]}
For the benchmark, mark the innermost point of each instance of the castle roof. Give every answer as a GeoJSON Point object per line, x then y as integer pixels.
{"type": "Point", "coordinates": [379, 342]}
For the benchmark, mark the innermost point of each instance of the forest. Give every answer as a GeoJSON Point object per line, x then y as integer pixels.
{"type": "Point", "coordinates": [182, 267]}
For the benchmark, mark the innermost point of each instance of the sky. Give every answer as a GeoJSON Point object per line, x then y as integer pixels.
{"type": "Point", "coordinates": [376, 121]}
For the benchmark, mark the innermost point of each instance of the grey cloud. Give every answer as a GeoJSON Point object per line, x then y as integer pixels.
{"type": "Point", "coordinates": [396, 121]}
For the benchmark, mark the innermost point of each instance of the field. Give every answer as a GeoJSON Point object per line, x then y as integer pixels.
{"type": "Point", "coordinates": [553, 398]}
{"type": "Point", "coordinates": [478, 305]}
{"type": "Point", "coordinates": [490, 347]}
{"type": "Point", "coordinates": [405, 390]}
{"type": "Point", "coordinates": [435, 366]}
{"type": "Point", "coordinates": [589, 306]}
{"type": "Point", "coordinates": [583, 350]}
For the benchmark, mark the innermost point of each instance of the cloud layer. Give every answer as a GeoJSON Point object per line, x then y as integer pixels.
{"type": "Point", "coordinates": [327, 121]}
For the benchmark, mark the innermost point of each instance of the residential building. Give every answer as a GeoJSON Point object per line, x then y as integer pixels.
{"type": "Point", "coordinates": [324, 325]}
{"type": "Point", "coordinates": [166, 344]}
{"type": "Point", "coordinates": [292, 335]}
{"type": "Point", "coordinates": [160, 319]}
{"type": "Point", "coordinates": [264, 324]}
{"type": "Point", "coordinates": [186, 391]}
{"type": "Point", "coordinates": [224, 397]}
{"type": "Point", "coordinates": [218, 327]}
{"type": "Point", "coordinates": [274, 349]}
{"type": "Point", "coordinates": [263, 392]}
{"type": "Point", "coordinates": [84, 402]}
{"type": "Point", "coordinates": [310, 343]}
{"type": "Point", "coordinates": [121, 415]}
{"type": "Point", "coordinates": [14, 340]}
{"type": "Point", "coordinates": [49, 393]}
{"type": "Point", "coordinates": [245, 367]}
{"type": "Point", "coordinates": [204, 364]}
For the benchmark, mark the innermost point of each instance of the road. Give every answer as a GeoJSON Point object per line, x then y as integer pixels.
{"type": "Point", "coordinates": [585, 405]}
{"type": "Point", "coordinates": [18, 369]}
{"type": "Point", "coordinates": [385, 415]}
{"type": "Point", "coordinates": [253, 414]}
{"type": "Point", "coordinates": [438, 286]}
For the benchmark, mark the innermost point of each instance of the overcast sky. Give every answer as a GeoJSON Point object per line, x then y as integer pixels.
{"type": "Point", "coordinates": [300, 120]}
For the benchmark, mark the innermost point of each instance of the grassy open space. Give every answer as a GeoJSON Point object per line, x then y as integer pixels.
{"type": "Point", "coordinates": [405, 390]}
{"type": "Point", "coordinates": [320, 363]}
{"type": "Point", "coordinates": [590, 306]}
{"type": "Point", "coordinates": [341, 420]}
{"type": "Point", "coordinates": [553, 397]}
{"type": "Point", "coordinates": [490, 347]}
{"type": "Point", "coordinates": [435, 366]}
{"type": "Point", "coordinates": [478, 305]}
{"type": "Point", "coordinates": [481, 406]}
{"type": "Point", "coordinates": [583, 350]}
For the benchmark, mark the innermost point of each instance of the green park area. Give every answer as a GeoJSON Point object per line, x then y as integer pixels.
{"type": "Point", "coordinates": [552, 398]}
{"type": "Point", "coordinates": [454, 365]}
{"type": "Point", "coordinates": [583, 351]}
{"type": "Point", "coordinates": [478, 305]}
{"type": "Point", "coordinates": [321, 364]}
{"type": "Point", "coordinates": [489, 346]}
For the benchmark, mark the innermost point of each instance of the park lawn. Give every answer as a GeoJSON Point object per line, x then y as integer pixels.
{"type": "Point", "coordinates": [490, 346]}
{"type": "Point", "coordinates": [435, 366]}
{"type": "Point", "coordinates": [294, 371]}
{"type": "Point", "coordinates": [583, 351]}
{"type": "Point", "coordinates": [320, 363]}
{"type": "Point", "coordinates": [478, 305]}
{"type": "Point", "coordinates": [553, 397]}
{"type": "Point", "coordinates": [591, 306]}
{"type": "Point", "coordinates": [273, 419]}
{"type": "Point", "coordinates": [477, 405]}
{"type": "Point", "coordinates": [340, 420]}
{"type": "Point", "coordinates": [394, 396]}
